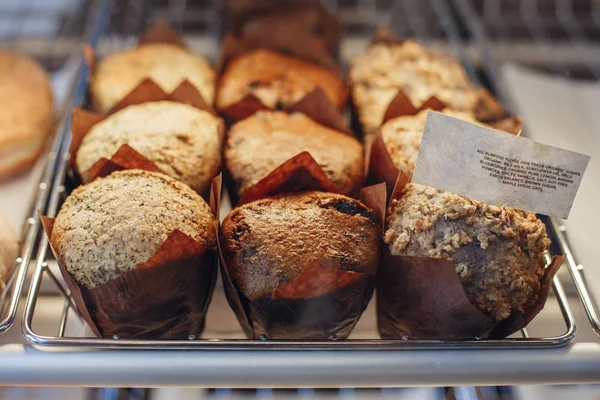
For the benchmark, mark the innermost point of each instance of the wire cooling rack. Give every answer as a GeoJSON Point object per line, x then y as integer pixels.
{"type": "Point", "coordinates": [431, 22]}
{"type": "Point", "coordinates": [559, 36]}
{"type": "Point", "coordinates": [51, 32]}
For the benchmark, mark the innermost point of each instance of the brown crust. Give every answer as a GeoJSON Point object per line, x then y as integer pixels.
{"type": "Point", "coordinates": [260, 143]}
{"type": "Point", "coordinates": [264, 79]}
{"type": "Point", "coordinates": [22, 166]}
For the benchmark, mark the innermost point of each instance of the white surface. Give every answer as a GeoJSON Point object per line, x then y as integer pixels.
{"type": "Point", "coordinates": [564, 113]}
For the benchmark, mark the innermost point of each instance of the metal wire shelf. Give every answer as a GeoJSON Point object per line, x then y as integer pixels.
{"type": "Point", "coordinates": [549, 26]}
{"type": "Point", "coordinates": [444, 29]}
{"type": "Point", "coordinates": [64, 25]}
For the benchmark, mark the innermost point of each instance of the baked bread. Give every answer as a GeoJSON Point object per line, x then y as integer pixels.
{"type": "Point", "coordinates": [27, 112]}
{"type": "Point", "coordinates": [498, 251]}
{"type": "Point", "coordinates": [9, 250]}
{"type": "Point", "coordinates": [181, 140]}
{"type": "Point", "coordinates": [106, 228]}
{"type": "Point", "coordinates": [258, 144]}
{"type": "Point", "coordinates": [116, 75]}
{"type": "Point", "coordinates": [277, 80]}
{"type": "Point", "coordinates": [384, 69]}
{"type": "Point", "coordinates": [302, 264]}
{"type": "Point", "coordinates": [402, 137]}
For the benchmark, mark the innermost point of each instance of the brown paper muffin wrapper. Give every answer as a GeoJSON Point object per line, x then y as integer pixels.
{"type": "Point", "coordinates": [381, 167]}
{"type": "Point", "coordinates": [322, 303]}
{"type": "Point", "coordinates": [127, 157]}
{"type": "Point", "coordinates": [165, 297]}
{"type": "Point", "coordinates": [423, 298]}
{"type": "Point", "coordinates": [148, 90]}
{"type": "Point", "coordinates": [283, 25]}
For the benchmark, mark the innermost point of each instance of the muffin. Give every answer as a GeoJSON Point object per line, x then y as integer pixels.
{"type": "Point", "coordinates": [258, 144]}
{"type": "Point", "coordinates": [496, 252]}
{"type": "Point", "coordinates": [277, 81]}
{"type": "Point", "coordinates": [402, 137]}
{"type": "Point", "coordinates": [384, 69]}
{"type": "Point", "coordinates": [302, 264]}
{"type": "Point", "coordinates": [116, 75]}
{"type": "Point", "coordinates": [180, 140]}
{"type": "Point", "coordinates": [27, 112]}
{"type": "Point", "coordinates": [139, 247]}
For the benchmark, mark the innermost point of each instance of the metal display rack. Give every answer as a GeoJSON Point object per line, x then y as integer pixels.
{"type": "Point", "coordinates": [66, 358]}
{"type": "Point", "coordinates": [61, 32]}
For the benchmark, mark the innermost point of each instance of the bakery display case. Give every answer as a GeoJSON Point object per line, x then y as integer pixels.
{"type": "Point", "coordinates": [560, 345]}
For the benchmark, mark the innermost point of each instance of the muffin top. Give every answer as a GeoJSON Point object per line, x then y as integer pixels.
{"type": "Point", "coordinates": [402, 137]}
{"type": "Point", "coordinates": [379, 73]}
{"type": "Point", "coordinates": [167, 65]}
{"type": "Point", "coordinates": [269, 242]}
{"type": "Point", "coordinates": [498, 251]}
{"type": "Point", "coordinates": [258, 144]}
{"type": "Point", "coordinates": [276, 80]}
{"type": "Point", "coordinates": [181, 140]}
{"type": "Point", "coordinates": [109, 226]}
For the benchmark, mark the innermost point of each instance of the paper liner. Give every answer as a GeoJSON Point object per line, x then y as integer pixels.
{"type": "Point", "coordinates": [165, 297]}
{"type": "Point", "coordinates": [381, 165]}
{"type": "Point", "coordinates": [127, 157]}
{"type": "Point", "coordinates": [299, 173]}
{"type": "Point", "coordinates": [147, 90]}
{"type": "Point", "coordinates": [322, 302]}
{"type": "Point", "coordinates": [423, 298]}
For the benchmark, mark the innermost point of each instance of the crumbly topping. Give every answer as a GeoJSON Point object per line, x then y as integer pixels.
{"type": "Point", "coordinates": [167, 65]}
{"type": "Point", "coordinates": [402, 137]}
{"type": "Point", "coordinates": [421, 73]}
{"type": "Point", "coordinates": [181, 140]}
{"type": "Point", "coordinates": [269, 242]}
{"type": "Point", "coordinates": [498, 251]}
{"type": "Point", "coordinates": [277, 80]}
{"type": "Point", "coordinates": [257, 145]}
{"type": "Point", "coordinates": [109, 226]}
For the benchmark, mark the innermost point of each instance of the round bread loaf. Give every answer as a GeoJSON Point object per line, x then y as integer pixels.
{"type": "Point", "coordinates": [167, 65]}
{"type": "Point", "coordinates": [269, 242]}
{"type": "Point", "coordinates": [27, 112]}
{"type": "Point", "coordinates": [258, 144]}
{"type": "Point", "coordinates": [379, 73]}
{"type": "Point", "coordinates": [402, 137]}
{"type": "Point", "coordinates": [277, 80]}
{"type": "Point", "coordinates": [109, 226]}
{"type": "Point", "coordinates": [498, 251]}
{"type": "Point", "coordinates": [181, 140]}
{"type": "Point", "coordinates": [9, 249]}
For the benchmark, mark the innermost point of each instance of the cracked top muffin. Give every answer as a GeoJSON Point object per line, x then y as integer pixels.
{"type": "Point", "coordinates": [378, 74]}
{"type": "Point", "coordinates": [269, 242]}
{"type": "Point", "coordinates": [402, 137]}
{"type": "Point", "coordinates": [498, 251]}
{"type": "Point", "coordinates": [277, 80]}
{"type": "Point", "coordinates": [167, 65]}
{"type": "Point", "coordinates": [258, 144]}
{"type": "Point", "coordinates": [109, 226]}
{"type": "Point", "coordinates": [181, 140]}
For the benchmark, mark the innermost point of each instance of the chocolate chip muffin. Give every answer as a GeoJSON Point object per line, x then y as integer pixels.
{"type": "Point", "coordinates": [109, 226]}
{"type": "Point", "coordinates": [299, 240]}
{"type": "Point", "coordinates": [116, 75]}
{"type": "Point", "coordinates": [276, 80]}
{"type": "Point", "coordinates": [258, 144]}
{"type": "Point", "coordinates": [181, 140]}
{"type": "Point", "coordinates": [498, 252]}
{"type": "Point", "coordinates": [378, 74]}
